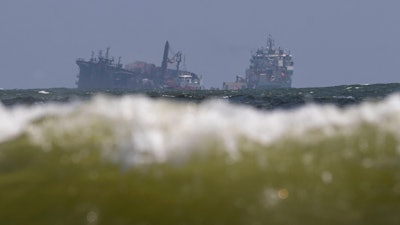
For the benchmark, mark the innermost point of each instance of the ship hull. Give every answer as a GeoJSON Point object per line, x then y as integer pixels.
{"type": "Point", "coordinates": [94, 75]}
{"type": "Point", "coordinates": [273, 85]}
{"type": "Point", "coordinates": [101, 72]}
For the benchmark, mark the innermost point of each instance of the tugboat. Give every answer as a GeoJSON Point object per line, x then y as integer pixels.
{"type": "Point", "coordinates": [270, 67]}
{"type": "Point", "coordinates": [101, 72]}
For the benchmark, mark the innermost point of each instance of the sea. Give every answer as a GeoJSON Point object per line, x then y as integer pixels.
{"type": "Point", "coordinates": [324, 155]}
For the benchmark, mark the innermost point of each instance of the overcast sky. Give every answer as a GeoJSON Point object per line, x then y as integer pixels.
{"type": "Point", "coordinates": [333, 42]}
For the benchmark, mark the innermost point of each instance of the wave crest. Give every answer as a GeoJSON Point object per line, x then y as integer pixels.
{"type": "Point", "coordinates": [139, 129]}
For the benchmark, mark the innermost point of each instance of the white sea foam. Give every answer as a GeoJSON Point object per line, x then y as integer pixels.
{"type": "Point", "coordinates": [137, 128]}
{"type": "Point", "coordinates": [43, 92]}
{"type": "Point", "coordinates": [14, 121]}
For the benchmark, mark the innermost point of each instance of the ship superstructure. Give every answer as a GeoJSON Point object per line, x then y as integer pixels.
{"type": "Point", "coordinates": [270, 67]}
{"type": "Point", "coordinates": [103, 72]}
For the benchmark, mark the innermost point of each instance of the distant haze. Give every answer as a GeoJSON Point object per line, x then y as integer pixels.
{"type": "Point", "coordinates": [332, 42]}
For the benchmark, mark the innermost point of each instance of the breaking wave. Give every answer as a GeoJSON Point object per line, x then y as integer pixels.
{"type": "Point", "coordinates": [163, 129]}
{"type": "Point", "coordinates": [133, 159]}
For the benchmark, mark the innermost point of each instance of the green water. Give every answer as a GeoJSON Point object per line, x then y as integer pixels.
{"type": "Point", "coordinates": [351, 178]}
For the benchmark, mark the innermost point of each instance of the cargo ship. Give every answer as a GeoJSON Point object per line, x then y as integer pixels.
{"type": "Point", "coordinates": [102, 72]}
{"type": "Point", "coordinates": [270, 67]}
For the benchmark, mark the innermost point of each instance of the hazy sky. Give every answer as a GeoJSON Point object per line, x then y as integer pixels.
{"type": "Point", "coordinates": [333, 42]}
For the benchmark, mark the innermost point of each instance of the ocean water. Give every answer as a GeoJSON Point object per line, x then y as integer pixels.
{"type": "Point", "coordinates": [286, 156]}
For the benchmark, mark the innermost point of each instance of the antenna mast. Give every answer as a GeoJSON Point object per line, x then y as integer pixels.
{"type": "Point", "coordinates": [108, 49]}
{"type": "Point", "coordinates": [270, 43]}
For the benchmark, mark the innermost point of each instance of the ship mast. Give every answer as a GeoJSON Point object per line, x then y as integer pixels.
{"type": "Point", "coordinates": [92, 57]}
{"type": "Point", "coordinates": [270, 43]}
